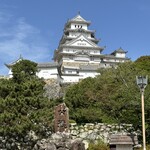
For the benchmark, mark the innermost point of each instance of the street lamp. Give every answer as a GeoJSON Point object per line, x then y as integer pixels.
{"type": "Point", "coordinates": [142, 82]}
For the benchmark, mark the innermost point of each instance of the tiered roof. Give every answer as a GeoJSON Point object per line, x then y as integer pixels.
{"type": "Point", "coordinates": [77, 19]}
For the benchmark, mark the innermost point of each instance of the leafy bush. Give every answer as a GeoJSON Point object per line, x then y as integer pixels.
{"type": "Point", "coordinates": [98, 146]}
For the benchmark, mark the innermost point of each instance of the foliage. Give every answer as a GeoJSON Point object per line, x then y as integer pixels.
{"type": "Point", "coordinates": [98, 146]}
{"type": "Point", "coordinates": [24, 69]}
{"type": "Point", "coordinates": [143, 63]}
{"type": "Point", "coordinates": [112, 97]}
{"type": "Point", "coordinates": [22, 105]}
{"type": "Point", "coordinates": [80, 100]}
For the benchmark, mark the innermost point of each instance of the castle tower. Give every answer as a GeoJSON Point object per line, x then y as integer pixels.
{"type": "Point", "coordinates": [78, 53]}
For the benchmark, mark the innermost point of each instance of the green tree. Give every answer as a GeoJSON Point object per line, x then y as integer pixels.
{"type": "Point", "coordinates": [81, 101]}
{"type": "Point", "coordinates": [23, 70]}
{"type": "Point", "coordinates": [143, 63]}
{"type": "Point", "coordinates": [112, 96]}
{"type": "Point", "coordinates": [22, 104]}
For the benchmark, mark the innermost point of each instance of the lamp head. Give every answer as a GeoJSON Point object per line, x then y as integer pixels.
{"type": "Point", "coordinates": [141, 81]}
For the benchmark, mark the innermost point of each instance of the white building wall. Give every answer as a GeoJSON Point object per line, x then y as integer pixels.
{"type": "Point", "coordinates": [10, 73]}
{"type": "Point", "coordinates": [78, 25]}
{"type": "Point", "coordinates": [86, 74]}
{"type": "Point", "coordinates": [122, 55]}
{"type": "Point", "coordinates": [70, 79]}
{"type": "Point", "coordinates": [82, 58]}
{"type": "Point", "coordinates": [95, 52]}
{"type": "Point", "coordinates": [75, 34]}
{"type": "Point", "coordinates": [82, 75]}
{"type": "Point", "coordinates": [70, 71]}
{"type": "Point", "coordinates": [48, 73]}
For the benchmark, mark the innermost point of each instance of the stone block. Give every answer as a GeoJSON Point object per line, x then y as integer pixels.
{"type": "Point", "coordinates": [61, 118]}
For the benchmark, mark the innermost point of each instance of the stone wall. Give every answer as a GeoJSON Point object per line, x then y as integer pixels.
{"type": "Point", "coordinates": [99, 131]}
{"type": "Point", "coordinates": [52, 89]}
{"type": "Point", "coordinates": [82, 135]}
{"type": "Point", "coordinates": [77, 135]}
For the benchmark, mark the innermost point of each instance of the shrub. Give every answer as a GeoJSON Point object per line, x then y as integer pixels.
{"type": "Point", "coordinates": [98, 146]}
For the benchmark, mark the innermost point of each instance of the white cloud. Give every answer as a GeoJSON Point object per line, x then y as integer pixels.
{"type": "Point", "coordinates": [19, 37]}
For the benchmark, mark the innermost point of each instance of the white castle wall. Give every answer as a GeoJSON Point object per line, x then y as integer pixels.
{"type": "Point", "coordinates": [48, 73]}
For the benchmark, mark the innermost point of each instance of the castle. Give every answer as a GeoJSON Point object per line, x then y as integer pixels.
{"type": "Point", "coordinates": [78, 55]}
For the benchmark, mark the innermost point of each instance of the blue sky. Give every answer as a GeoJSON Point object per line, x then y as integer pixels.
{"type": "Point", "coordinates": [33, 28]}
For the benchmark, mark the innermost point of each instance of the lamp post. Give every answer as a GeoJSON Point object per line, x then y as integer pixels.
{"type": "Point", "coordinates": [142, 82]}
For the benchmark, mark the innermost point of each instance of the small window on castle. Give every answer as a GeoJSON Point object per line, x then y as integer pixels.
{"type": "Point", "coordinates": [92, 36]}
{"type": "Point", "coordinates": [81, 26]}
{"type": "Point", "coordinates": [75, 26]}
{"type": "Point", "coordinates": [78, 26]}
{"type": "Point", "coordinates": [92, 59]}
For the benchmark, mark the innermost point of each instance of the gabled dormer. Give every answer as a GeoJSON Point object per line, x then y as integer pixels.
{"type": "Point", "coordinates": [82, 41]}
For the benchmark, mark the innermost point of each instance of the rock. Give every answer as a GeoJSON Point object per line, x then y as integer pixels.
{"type": "Point", "coordinates": [60, 136]}
{"type": "Point", "coordinates": [57, 136]}
{"type": "Point", "coordinates": [44, 145]}
{"type": "Point", "coordinates": [83, 135]}
{"type": "Point", "coordinates": [92, 136]}
{"type": "Point", "coordinates": [52, 89]}
{"type": "Point", "coordinates": [86, 144]}
{"type": "Point", "coordinates": [32, 135]}
{"type": "Point", "coordinates": [77, 145]}
{"type": "Point", "coordinates": [74, 132]}
{"type": "Point", "coordinates": [60, 145]}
